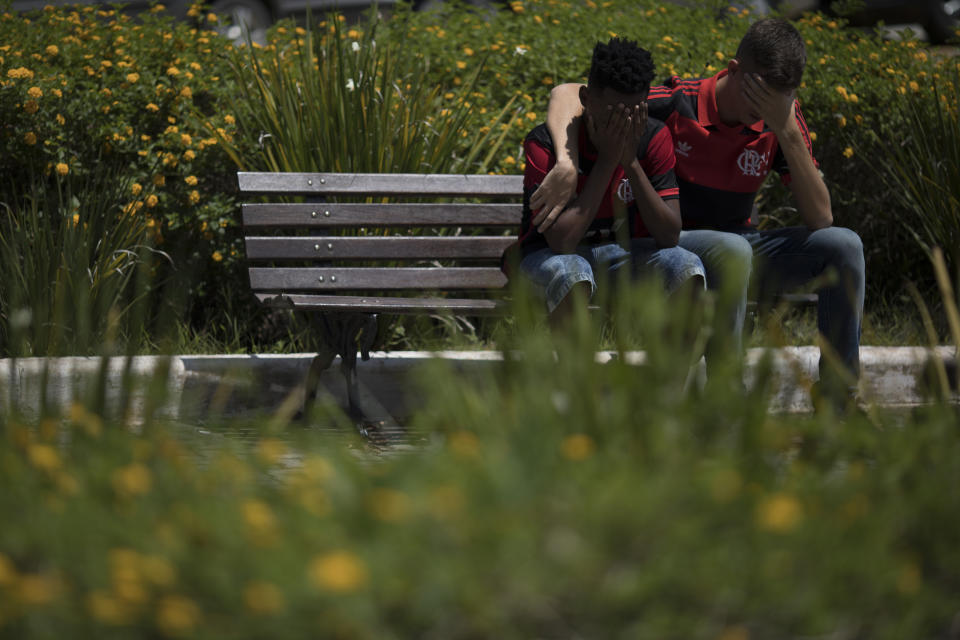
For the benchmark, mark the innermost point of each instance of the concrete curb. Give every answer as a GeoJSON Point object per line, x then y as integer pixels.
{"type": "Point", "coordinates": [201, 386]}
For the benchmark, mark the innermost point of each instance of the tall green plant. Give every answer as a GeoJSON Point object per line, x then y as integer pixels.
{"type": "Point", "coordinates": [924, 167]}
{"type": "Point", "coordinates": [331, 100]}
{"type": "Point", "coordinates": [69, 247]}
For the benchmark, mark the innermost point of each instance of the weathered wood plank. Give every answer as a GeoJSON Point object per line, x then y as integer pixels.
{"type": "Point", "coordinates": [318, 215]}
{"type": "Point", "coordinates": [380, 304]}
{"type": "Point", "coordinates": [406, 184]}
{"type": "Point", "coordinates": [374, 278]}
{"type": "Point", "coordinates": [376, 248]}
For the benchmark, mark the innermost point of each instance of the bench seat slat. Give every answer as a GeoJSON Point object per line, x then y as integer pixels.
{"type": "Point", "coordinates": [383, 248]}
{"type": "Point", "coordinates": [380, 304]}
{"type": "Point", "coordinates": [407, 214]}
{"type": "Point", "coordinates": [374, 278]}
{"type": "Point", "coordinates": [402, 184]}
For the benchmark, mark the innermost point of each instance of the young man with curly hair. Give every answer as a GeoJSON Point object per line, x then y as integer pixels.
{"type": "Point", "coordinates": [626, 165]}
{"type": "Point", "coordinates": [729, 132]}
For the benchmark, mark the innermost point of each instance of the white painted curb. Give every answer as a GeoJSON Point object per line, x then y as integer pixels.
{"type": "Point", "coordinates": [198, 386]}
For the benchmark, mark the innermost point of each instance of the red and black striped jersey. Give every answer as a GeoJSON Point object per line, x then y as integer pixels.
{"type": "Point", "coordinates": [655, 153]}
{"type": "Point", "coordinates": [719, 168]}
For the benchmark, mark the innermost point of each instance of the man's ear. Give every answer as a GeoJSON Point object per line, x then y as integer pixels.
{"type": "Point", "coordinates": [583, 95]}
{"type": "Point", "coordinates": [733, 66]}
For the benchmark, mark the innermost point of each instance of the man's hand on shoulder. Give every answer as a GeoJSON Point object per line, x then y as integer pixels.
{"type": "Point", "coordinates": [553, 195]}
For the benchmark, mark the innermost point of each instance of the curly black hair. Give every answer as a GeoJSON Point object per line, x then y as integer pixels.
{"type": "Point", "coordinates": [621, 65]}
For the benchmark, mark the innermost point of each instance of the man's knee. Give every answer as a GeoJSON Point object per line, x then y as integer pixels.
{"type": "Point", "coordinates": [841, 247]}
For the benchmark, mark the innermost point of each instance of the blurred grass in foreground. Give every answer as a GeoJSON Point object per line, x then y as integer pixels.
{"type": "Point", "coordinates": [551, 496]}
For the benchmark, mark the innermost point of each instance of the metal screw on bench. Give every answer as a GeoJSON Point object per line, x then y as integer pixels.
{"type": "Point", "coordinates": [320, 278]}
{"type": "Point", "coordinates": [316, 247]}
{"type": "Point", "coordinates": [329, 246]}
{"type": "Point", "coordinates": [333, 278]}
{"type": "Point", "coordinates": [313, 214]}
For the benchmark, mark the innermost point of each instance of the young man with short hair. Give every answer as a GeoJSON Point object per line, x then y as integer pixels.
{"type": "Point", "coordinates": [626, 165]}
{"type": "Point", "coordinates": [729, 131]}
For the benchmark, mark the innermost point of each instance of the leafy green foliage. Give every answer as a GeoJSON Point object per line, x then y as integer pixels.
{"type": "Point", "coordinates": [69, 250]}
{"type": "Point", "coordinates": [549, 495]}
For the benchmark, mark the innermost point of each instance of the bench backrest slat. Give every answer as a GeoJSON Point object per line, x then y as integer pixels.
{"type": "Point", "coordinates": [374, 278]}
{"type": "Point", "coordinates": [386, 184]}
{"type": "Point", "coordinates": [336, 214]}
{"type": "Point", "coordinates": [382, 248]}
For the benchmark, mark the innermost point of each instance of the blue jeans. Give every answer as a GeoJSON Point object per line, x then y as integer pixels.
{"type": "Point", "coordinates": [554, 274]}
{"type": "Point", "coordinates": [785, 259]}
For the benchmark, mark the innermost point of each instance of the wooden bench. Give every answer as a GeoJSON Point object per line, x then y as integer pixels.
{"type": "Point", "coordinates": [418, 244]}
{"type": "Point", "coordinates": [352, 246]}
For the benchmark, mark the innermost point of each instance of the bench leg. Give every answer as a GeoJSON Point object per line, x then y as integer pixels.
{"type": "Point", "coordinates": [343, 334]}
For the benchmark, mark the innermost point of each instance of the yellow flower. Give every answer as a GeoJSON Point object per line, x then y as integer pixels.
{"type": "Point", "coordinates": [35, 92]}
{"type": "Point", "coordinates": [31, 106]}
{"type": "Point", "coordinates": [217, 256]}
{"type": "Point", "coordinates": [461, 64]}
{"type": "Point", "coordinates": [52, 50]}
{"type": "Point", "coordinates": [57, 93]}
{"type": "Point", "coordinates": [212, 17]}
{"type": "Point", "coordinates": [531, 115]}
{"type": "Point", "coordinates": [38, 590]}
{"type": "Point", "coordinates": [467, 51]}
{"type": "Point", "coordinates": [229, 119]}
{"type": "Point", "coordinates": [30, 138]}
{"type": "Point", "coordinates": [914, 86]}
{"type": "Point", "coordinates": [177, 615]}
{"type": "Point", "coordinates": [173, 71]}
{"type": "Point", "coordinates": [848, 152]}
{"type": "Point", "coordinates": [20, 73]}
{"type": "Point", "coordinates": [186, 140]}
{"type": "Point", "coordinates": [853, 98]}
{"type": "Point", "coordinates": [194, 197]}
{"type": "Point", "coordinates": [338, 571]}
{"type": "Point", "coordinates": [8, 572]}
{"type": "Point", "coordinates": [842, 121]}
{"type": "Point", "coordinates": [813, 136]}
{"type": "Point", "coordinates": [191, 180]}
{"type": "Point", "coordinates": [263, 598]}
{"type": "Point", "coordinates": [151, 201]}
{"type": "Point", "coordinates": [186, 92]}
{"type": "Point", "coordinates": [108, 609]}
{"type": "Point", "coordinates": [353, 34]}
{"type": "Point", "coordinates": [159, 180]}
{"type": "Point", "coordinates": [388, 505]}
{"type": "Point", "coordinates": [62, 168]}
{"type": "Point", "coordinates": [152, 107]}
{"type": "Point", "coordinates": [132, 480]}
{"type": "Point", "coordinates": [578, 446]}
{"type": "Point", "coordinates": [842, 90]}
{"type": "Point", "coordinates": [780, 512]}
{"type": "Point", "coordinates": [43, 457]}
{"type": "Point", "coordinates": [60, 119]}
{"type": "Point", "coordinates": [189, 154]}
{"type": "Point", "coordinates": [510, 160]}
{"type": "Point", "coordinates": [136, 188]}
{"type": "Point", "coordinates": [76, 219]}
{"type": "Point", "coordinates": [132, 78]}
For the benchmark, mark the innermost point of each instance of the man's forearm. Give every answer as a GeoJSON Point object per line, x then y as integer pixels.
{"type": "Point", "coordinates": [563, 112]}
{"type": "Point", "coordinates": [568, 230]}
{"type": "Point", "coordinates": [661, 220]}
{"type": "Point", "coordinates": [808, 188]}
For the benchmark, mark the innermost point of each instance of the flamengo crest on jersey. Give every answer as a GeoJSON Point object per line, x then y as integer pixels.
{"type": "Point", "coordinates": [754, 164]}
